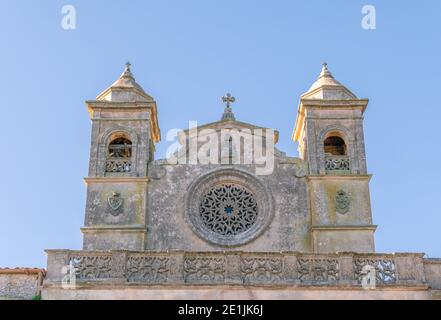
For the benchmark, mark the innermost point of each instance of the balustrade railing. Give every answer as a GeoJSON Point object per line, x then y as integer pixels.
{"type": "Point", "coordinates": [337, 164]}
{"type": "Point", "coordinates": [118, 165]}
{"type": "Point", "coordinates": [285, 268]}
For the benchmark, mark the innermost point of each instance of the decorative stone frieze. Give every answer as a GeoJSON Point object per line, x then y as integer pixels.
{"type": "Point", "coordinates": [233, 268]}
{"type": "Point", "coordinates": [204, 268]}
{"type": "Point", "coordinates": [147, 268]}
{"type": "Point", "coordinates": [385, 269]}
{"type": "Point", "coordinates": [318, 270]}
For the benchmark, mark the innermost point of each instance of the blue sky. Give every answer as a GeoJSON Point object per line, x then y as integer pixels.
{"type": "Point", "coordinates": [187, 54]}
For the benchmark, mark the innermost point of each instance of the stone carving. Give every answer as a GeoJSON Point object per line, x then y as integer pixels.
{"type": "Point", "coordinates": [92, 267]}
{"type": "Point", "coordinates": [228, 267]}
{"type": "Point", "coordinates": [204, 268]}
{"type": "Point", "coordinates": [261, 269]}
{"type": "Point", "coordinates": [300, 169]}
{"type": "Point", "coordinates": [340, 163]}
{"type": "Point", "coordinates": [115, 203]}
{"type": "Point", "coordinates": [157, 172]}
{"type": "Point", "coordinates": [385, 270]}
{"type": "Point", "coordinates": [244, 206]}
{"type": "Point", "coordinates": [228, 209]}
{"type": "Point", "coordinates": [342, 201]}
{"type": "Point", "coordinates": [118, 165]}
{"type": "Point", "coordinates": [152, 269]}
{"type": "Point", "coordinates": [318, 270]}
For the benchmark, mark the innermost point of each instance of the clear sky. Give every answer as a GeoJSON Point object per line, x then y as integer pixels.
{"type": "Point", "coordinates": [187, 54]}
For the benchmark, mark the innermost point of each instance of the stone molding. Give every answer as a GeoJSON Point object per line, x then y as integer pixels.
{"type": "Point", "coordinates": [372, 227]}
{"type": "Point", "coordinates": [281, 269]}
{"type": "Point", "coordinates": [94, 107]}
{"type": "Point", "coordinates": [106, 228]}
{"type": "Point", "coordinates": [115, 179]}
{"type": "Point", "coordinates": [343, 177]}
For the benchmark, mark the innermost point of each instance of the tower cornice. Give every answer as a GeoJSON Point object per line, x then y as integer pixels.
{"type": "Point", "coordinates": [94, 106]}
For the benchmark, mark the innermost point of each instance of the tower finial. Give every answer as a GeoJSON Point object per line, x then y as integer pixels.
{"type": "Point", "coordinates": [325, 71]}
{"type": "Point", "coordinates": [127, 73]}
{"type": "Point", "coordinates": [228, 98]}
{"type": "Point", "coordinates": [228, 112]}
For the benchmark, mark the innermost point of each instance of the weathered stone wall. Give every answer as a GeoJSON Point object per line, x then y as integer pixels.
{"type": "Point", "coordinates": [20, 283]}
{"type": "Point", "coordinates": [432, 270]}
{"type": "Point", "coordinates": [283, 193]}
{"type": "Point", "coordinates": [124, 227]}
{"type": "Point", "coordinates": [341, 224]}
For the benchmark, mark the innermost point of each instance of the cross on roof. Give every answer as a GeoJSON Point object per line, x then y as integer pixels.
{"type": "Point", "coordinates": [228, 113]}
{"type": "Point", "coordinates": [228, 98]}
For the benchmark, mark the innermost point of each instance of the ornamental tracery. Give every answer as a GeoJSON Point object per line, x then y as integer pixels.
{"type": "Point", "coordinates": [228, 209]}
{"type": "Point", "coordinates": [228, 206]}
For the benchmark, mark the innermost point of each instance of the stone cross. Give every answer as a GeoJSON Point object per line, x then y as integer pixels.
{"type": "Point", "coordinates": [228, 98]}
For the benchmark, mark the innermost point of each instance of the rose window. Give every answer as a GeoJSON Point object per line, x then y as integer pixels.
{"type": "Point", "coordinates": [228, 209]}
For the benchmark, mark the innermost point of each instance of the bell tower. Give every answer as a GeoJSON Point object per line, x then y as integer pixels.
{"type": "Point", "coordinates": [124, 132]}
{"type": "Point", "coordinates": [329, 130]}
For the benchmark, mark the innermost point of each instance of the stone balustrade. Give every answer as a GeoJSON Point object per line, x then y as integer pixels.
{"type": "Point", "coordinates": [235, 268]}
{"type": "Point", "coordinates": [338, 164]}
{"type": "Point", "coordinates": [118, 165]}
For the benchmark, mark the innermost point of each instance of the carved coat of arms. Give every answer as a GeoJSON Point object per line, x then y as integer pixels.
{"type": "Point", "coordinates": [115, 202]}
{"type": "Point", "coordinates": [342, 201]}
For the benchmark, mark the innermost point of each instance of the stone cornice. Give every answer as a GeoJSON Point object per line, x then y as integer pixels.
{"type": "Point", "coordinates": [150, 106]}
{"type": "Point", "coordinates": [345, 103]}
{"type": "Point", "coordinates": [115, 179]}
{"type": "Point", "coordinates": [26, 271]}
{"type": "Point", "coordinates": [118, 104]}
{"type": "Point", "coordinates": [343, 227]}
{"type": "Point", "coordinates": [227, 125]}
{"type": "Point", "coordinates": [340, 177]}
{"type": "Point", "coordinates": [242, 252]}
{"type": "Point", "coordinates": [127, 228]}
{"type": "Point", "coordinates": [323, 103]}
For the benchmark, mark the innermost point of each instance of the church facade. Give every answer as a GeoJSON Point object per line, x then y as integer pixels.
{"type": "Point", "coordinates": [228, 215]}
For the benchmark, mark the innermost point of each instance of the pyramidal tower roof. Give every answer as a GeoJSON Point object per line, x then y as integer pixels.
{"type": "Point", "coordinates": [325, 92]}
{"type": "Point", "coordinates": [327, 88]}
{"type": "Point", "coordinates": [125, 89]}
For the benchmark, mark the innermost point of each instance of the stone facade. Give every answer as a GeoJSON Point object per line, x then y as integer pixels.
{"type": "Point", "coordinates": [188, 228]}
{"type": "Point", "coordinates": [160, 200]}
{"type": "Point", "coordinates": [241, 275]}
{"type": "Point", "coordinates": [21, 283]}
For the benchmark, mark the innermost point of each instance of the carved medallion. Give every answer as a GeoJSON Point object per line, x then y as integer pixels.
{"type": "Point", "coordinates": [115, 203]}
{"type": "Point", "coordinates": [342, 202]}
{"type": "Point", "coordinates": [301, 169]}
{"type": "Point", "coordinates": [228, 209]}
{"type": "Point", "coordinates": [228, 206]}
